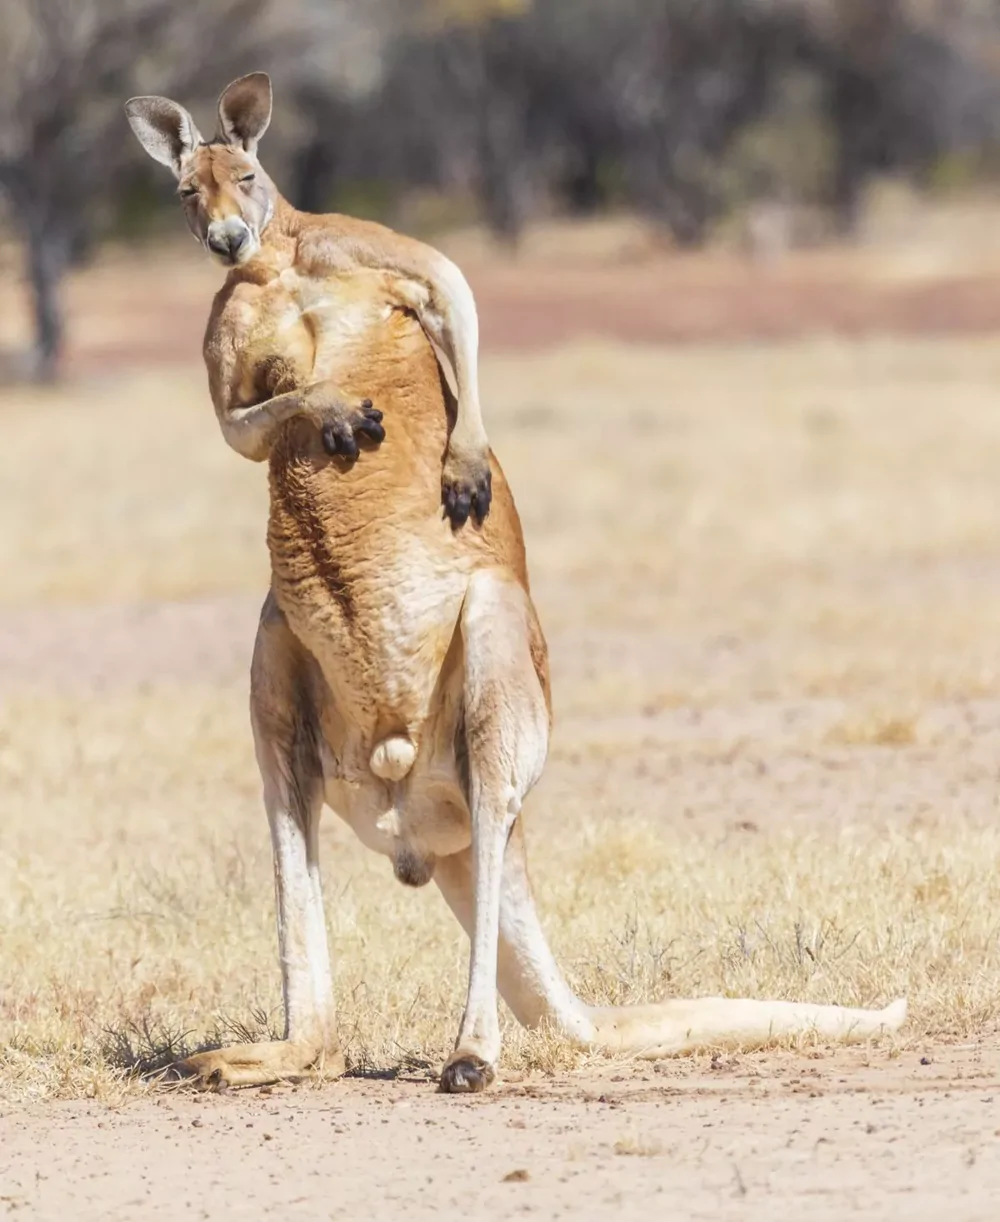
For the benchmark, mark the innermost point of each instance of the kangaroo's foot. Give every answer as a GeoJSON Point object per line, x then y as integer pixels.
{"type": "Point", "coordinates": [256, 1065]}
{"type": "Point", "coordinates": [466, 1074]}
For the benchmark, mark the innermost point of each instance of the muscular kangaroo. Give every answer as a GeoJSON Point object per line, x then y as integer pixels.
{"type": "Point", "coordinates": [234, 209]}
{"type": "Point", "coordinates": [400, 677]}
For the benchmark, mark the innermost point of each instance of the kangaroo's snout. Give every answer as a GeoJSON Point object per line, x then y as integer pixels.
{"type": "Point", "coordinates": [231, 240]}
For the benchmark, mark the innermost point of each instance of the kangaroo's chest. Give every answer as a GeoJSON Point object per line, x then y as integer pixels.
{"type": "Point", "coordinates": [297, 328]}
{"type": "Point", "coordinates": [365, 566]}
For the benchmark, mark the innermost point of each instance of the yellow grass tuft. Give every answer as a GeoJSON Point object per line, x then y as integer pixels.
{"type": "Point", "coordinates": [875, 728]}
{"type": "Point", "coordinates": [638, 1147]}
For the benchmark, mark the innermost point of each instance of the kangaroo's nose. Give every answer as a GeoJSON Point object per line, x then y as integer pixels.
{"type": "Point", "coordinates": [227, 244]}
{"type": "Point", "coordinates": [228, 239]}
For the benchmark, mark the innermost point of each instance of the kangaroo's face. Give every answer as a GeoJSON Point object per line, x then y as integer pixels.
{"type": "Point", "coordinates": [227, 198]}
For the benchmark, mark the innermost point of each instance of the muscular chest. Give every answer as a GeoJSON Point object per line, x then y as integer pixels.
{"type": "Point", "coordinates": [298, 328]}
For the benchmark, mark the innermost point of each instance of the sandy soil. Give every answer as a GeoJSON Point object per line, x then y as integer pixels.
{"type": "Point", "coordinates": [753, 1138]}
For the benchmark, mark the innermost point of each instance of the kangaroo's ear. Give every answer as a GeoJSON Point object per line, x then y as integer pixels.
{"type": "Point", "coordinates": [165, 130]}
{"type": "Point", "coordinates": [245, 110]}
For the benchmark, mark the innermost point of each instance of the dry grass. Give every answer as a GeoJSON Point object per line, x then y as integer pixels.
{"type": "Point", "coordinates": [754, 564]}
{"type": "Point", "coordinates": [637, 1147]}
{"type": "Point", "coordinates": [874, 727]}
{"type": "Point", "coordinates": [136, 910]}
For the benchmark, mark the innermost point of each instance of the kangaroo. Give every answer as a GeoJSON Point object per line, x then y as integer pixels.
{"type": "Point", "coordinates": [400, 674]}
{"type": "Point", "coordinates": [234, 209]}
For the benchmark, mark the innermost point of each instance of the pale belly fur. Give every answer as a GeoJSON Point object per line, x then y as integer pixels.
{"type": "Point", "coordinates": [394, 749]}
{"type": "Point", "coordinates": [393, 740]}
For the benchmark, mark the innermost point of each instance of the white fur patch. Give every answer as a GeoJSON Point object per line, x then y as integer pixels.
{"type": "Point", "coordinates": [393, 758]}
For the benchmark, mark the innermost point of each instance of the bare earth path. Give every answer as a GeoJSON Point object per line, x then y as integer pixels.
{"type": "Point", "coordinates": [781, 1137]}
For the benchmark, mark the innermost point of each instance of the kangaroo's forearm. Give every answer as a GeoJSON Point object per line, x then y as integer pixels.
{"type": "Point", "coordinates": [251, 430]}
{"type": "Point", "coordinates": [457, 327]}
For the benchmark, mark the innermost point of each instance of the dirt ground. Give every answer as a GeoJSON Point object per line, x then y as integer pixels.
{"type": "Point", "coordinates": [749, 1139]}
{"type": "Point", "coordinates": [769, 573]}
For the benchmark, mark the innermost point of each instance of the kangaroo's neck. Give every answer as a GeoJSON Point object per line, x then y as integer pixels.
{"type": "Point", "coordinates": [278, 245]}
{"type": "Point", "coordinates": [280, 238]}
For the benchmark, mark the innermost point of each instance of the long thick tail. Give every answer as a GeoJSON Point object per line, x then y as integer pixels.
{"type": "Point", "coordinates": [533, 986]}
{"type": "Point", "coordinates": [670, 1028]}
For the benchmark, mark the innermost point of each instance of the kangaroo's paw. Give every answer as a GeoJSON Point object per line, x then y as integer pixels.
{"type": "Point", "coordinates": [466, 486]}
{"type": "Point", "coordinates": [345, 429]}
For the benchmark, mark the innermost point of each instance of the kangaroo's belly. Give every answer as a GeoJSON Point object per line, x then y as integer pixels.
{"type": "Point", "coordinates": [394, 734]}
{"type": "Point", "coordinates": [382, 634]}
{"type": "Point", "coordinates": [371, 581]}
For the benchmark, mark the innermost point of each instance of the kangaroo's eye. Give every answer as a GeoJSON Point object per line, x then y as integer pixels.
{"type": "Point", "coordinates": [248, 178]}
{"type": "Point", "coordinates": [188, 192]}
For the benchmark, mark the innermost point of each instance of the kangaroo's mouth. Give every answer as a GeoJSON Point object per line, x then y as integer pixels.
{"type": "Point", "coordinates": [231, 242]}
{"type": "Point", "coordinates": [227, 260]}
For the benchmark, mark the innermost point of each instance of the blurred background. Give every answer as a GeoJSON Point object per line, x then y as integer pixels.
{"type": "Point", "coordinates": [738, 270]}
{"type": "Point", "coordinates": [759, 127]}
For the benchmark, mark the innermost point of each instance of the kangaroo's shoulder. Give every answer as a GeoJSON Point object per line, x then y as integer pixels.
{"type": "Point", "coordinates": [334, 242]}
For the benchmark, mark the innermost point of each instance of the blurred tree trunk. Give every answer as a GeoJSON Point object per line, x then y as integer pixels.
{"type": "Point", "coordinates": [855, 116]}
{"type": "Point", "coordinates": [48, 249]}
{"type": "Point", "coordinates": [504, 187]}
{"type": "Point", "coordinates": [581, 184]}
{"type": "Point", "coordinates": [317, 163]}
{"type": "Point", "coordinates": [314, 173]}
{"type": "Point", "coordinates": [488, 69]}
{"type": "Point", "coordinates": [68, 67]}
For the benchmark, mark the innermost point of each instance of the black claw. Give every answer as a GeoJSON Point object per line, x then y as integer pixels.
{"type": "Point", "coordinates": [482, 499]}
{"type": "Point", "coordinates": [463, 507]}
{"type": "Point", "coordinates": [372, 429]}
{"type": "Point", "coordinates": [464, 500]}
{"type": "Point", "coordinates": [328, 435]}
{"type": "Point", "coordinates": [340, 437]}
{"type": "Point", "coordinates": [366, 406]}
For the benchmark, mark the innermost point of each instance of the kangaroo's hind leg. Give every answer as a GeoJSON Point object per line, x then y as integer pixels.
{"type": "Point", "coordinates": [287, 743]}
{"type": "Point", "coordinates": [506, 732]}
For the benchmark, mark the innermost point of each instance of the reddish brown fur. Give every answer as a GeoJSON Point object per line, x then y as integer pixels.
{"type": "Point", "coordinates": [332, 521]}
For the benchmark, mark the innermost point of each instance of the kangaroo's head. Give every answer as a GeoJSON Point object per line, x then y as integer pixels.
{"type": "Point", "coordinates": [227, 198]}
